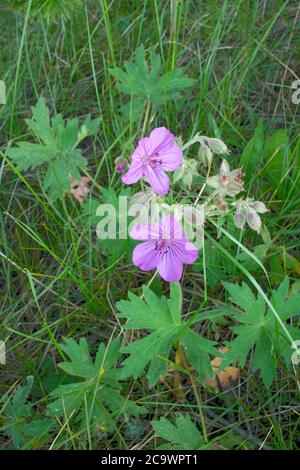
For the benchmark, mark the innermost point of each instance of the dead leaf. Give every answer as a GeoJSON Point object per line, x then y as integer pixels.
{"type": "Point", "coordinates": [223, 379]}
{"type": "Point", "coordinates": [80, 188]}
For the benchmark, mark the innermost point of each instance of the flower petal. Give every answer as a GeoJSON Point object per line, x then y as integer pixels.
{"type": "Point", "coordinates": [169, 227]}
{"type": "Point", "coordinates": [145, 232]}
{"type": "Point", "coordinates": [141, 149]}
{"type": "Point", "coordinates": [134, 173]}
{"type": "Point", "coordinates": [170, 268]}
{"type": "Point", "coordinates": [157, 179]}
{"type": "Point", "coordinates": [224, 168]}
{"type": "Point", "coordinates": [185, 251]}
{"type": "Point", "coordinates": [171, 159]}
{"type": "Point", "coordinates": [160, 140]}
{"type": "Point", "coordinates": [145, 256]}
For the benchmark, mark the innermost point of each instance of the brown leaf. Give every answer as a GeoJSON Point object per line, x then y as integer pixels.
{"type": "Point", "coordinates": [224, 378]}
{"type": "Point", "coordinates": [80, 188]}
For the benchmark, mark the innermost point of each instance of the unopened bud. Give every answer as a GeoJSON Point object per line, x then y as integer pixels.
{"type": "Point", "coordinates": [178, 174]}
{"type": "Point", "coordinates": [121, 164]}
{"type": "Point", "coordinates": [187, 179]}
{"type": "Point", "coordinates": [239, 219]}
{"type": "Point", "coordinates": [253, 220]}
{"type": "Point", "coordinates": [259, 207]}
{"type": "Point", "coordinates": [217, 146]}
{"type": "Point", "coordinates": [205, 154]}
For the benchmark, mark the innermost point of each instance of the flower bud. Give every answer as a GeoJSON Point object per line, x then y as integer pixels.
{"type": "Point", "coordinates": [253, 220]}
{"type": "Point", "coordinates": [217, 146]}
{"type": "Point", "coordinates": [121, 164]}
{"type": "Point", "coordinates": [186, 171]}
{"type": "Point", "coordinates": [239, 219]}
{"type": "Point", "coordinates": [259, 207]}
{"type": "Point", "coordinates": [205, 154]}
{"type": "Point", "coordinates": [178, 174]}
{"type": "Point", "coordinates": [187, 180]}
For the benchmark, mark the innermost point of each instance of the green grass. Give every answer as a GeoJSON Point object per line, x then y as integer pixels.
{"type": "Point", "coordinates": [54, 279]}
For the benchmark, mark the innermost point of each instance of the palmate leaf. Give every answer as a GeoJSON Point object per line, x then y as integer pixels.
{"type": "Point", "coordinates": [259, 330]}
{"type": "Point", "coordinates": [97, 398]}
{"type": "Point", "coordinates": [22, 423]}
{"type": "Point", "coordinates": [182, 435]}
{"type": "Point", "coordinates": [287, 304]}
{"type": "Point", "coordinates": [162, 318]}
{"type": "Point", "coordinates": [58, 140]}
{"type": "Point", "coordinates": [147, 83]}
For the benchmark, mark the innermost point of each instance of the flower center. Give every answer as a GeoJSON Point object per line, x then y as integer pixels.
{"type": "Point", "coordinates": [224, 180]}
{"type": "Point", "coordinates": [152, 160]}
{"type": "Point", "coordinates": [163, 246]}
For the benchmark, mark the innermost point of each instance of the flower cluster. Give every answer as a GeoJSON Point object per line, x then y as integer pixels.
{"type": "Point", "coordinates": [247, 211]}
{"type": "Point", "coordinates": [166, 246]}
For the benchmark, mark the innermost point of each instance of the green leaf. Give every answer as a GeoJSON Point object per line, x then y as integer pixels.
{"type": "Point", "coordinates": [29, 155]}
{"type": "Point", "coordinates": [147, 83]}
{"type": "Point", "coordinates": [277, 154]}
{"type": "Point", "coordinates": [287, 304]}
{"type": "Point", "coordinates": [183, 435]}
{"type": "Point", "coordinates": [198, 349]}
{"type": "Point", "coordinates": [56, 149]}
{"type": "Point", "coordinates": [40, 123]}
{"type": "Point", "coordinates": [259, 330]}
{"type": "Point", "coordinates": [163, 320]}
{"type": "Point", "coordinates": [97, 399]}
{"type": "Point", "coordinates": [175, 302]}
{"type": "Point", "coordinates": [57, 178]}
{"type": "Point", "coordinates": [253, 151]}
{"type": "Point", "coordinates": [22, 423]}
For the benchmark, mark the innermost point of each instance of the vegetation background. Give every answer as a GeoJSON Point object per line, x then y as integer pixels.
{"type": "Point", "coordinates": [55, 279]}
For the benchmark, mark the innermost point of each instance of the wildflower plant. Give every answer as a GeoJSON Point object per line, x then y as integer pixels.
{"type": "Point", "coordinates": [163, 213]}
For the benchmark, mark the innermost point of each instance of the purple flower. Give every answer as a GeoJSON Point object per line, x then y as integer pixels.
{"type": "Point", "coordinates": [153, 156]}
{"type": "Point", "coordinates": [164, 248]}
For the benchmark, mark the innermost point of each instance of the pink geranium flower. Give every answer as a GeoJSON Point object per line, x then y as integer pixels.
{"type": "Point", "coordinates": [164, 248]}
{"type": "Point", "coordinates": [153, 156]}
